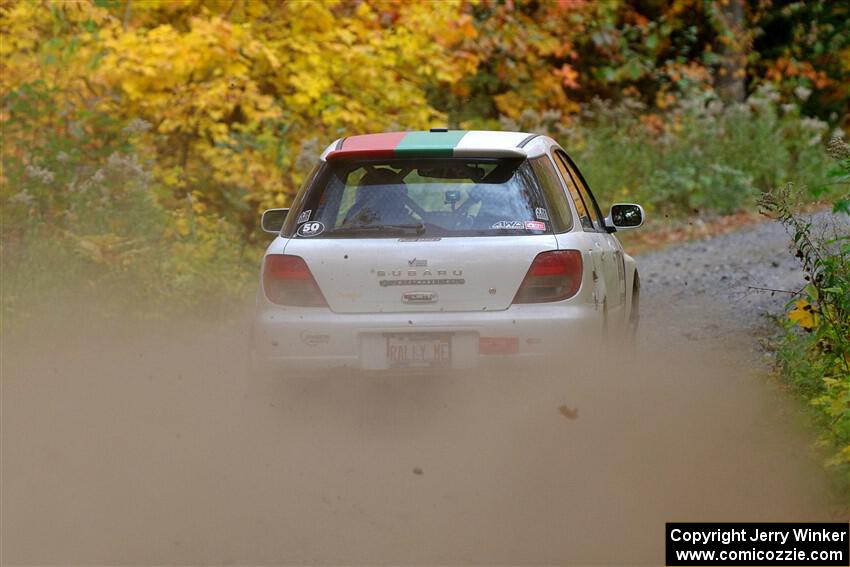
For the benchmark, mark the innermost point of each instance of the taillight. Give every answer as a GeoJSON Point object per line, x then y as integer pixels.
{"type": "Point", "coordinates": [287, 281]}
{"type": "Point", "coordinates": [553, 276]}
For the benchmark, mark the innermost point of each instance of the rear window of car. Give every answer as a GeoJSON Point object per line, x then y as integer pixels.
{"type": "Point", "coordinates": [423, 198]}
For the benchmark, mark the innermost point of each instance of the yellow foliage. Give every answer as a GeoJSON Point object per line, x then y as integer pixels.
{"type": "Point", "coordinates": [241, 96]}
{"type": "Point", "coordinates": [804, 315]}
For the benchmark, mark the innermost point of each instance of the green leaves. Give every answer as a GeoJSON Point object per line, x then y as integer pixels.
{"type": "Point", "coordinates": [817, 362]}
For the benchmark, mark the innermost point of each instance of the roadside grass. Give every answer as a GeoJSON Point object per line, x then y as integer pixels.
{"type": "Point", "coordinates": [813, 346]}
{"type": "Point", "coordinates": [88, 231]}
{"type": "Point", "coordinates": [810, 377]}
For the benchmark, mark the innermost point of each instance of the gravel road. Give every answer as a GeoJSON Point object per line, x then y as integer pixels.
{"type": "Point", "coordinates": [148, 444]}
{"type": "Point", "coordinates": [709, 282]}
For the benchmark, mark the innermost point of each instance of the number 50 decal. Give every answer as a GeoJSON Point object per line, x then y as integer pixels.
{"type": "Point", "coordinates": [310, 229]}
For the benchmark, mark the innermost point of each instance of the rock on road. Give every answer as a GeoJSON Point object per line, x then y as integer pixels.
{"type": "Point", "coordinates": [148, 444]}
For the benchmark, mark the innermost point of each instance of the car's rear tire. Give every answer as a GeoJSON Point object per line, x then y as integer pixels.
{"type": "Point", "coordinates": [634, 316]}
{"type": "Point", "coordinates": [605, 331]}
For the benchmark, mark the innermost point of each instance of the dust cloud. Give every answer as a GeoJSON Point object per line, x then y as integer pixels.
{"type": "Point", "coordinates": [129, 443]}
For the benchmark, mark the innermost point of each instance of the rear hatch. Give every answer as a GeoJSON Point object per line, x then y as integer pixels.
{"type": "Point", "coordinates": [421, 234]}
{"type": "Point", "coordinates": [377, 275]}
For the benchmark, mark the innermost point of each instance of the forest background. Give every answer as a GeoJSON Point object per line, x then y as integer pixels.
{"type": "Point", "coordinates": [140, 139]}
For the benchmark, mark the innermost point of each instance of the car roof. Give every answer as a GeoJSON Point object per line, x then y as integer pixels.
{"type": "Point", "coordinates": [438, 142]}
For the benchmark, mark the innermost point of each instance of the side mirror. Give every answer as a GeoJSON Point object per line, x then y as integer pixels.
{"type": "Point", "coordinates": [272, 220]}
{"type": "Point", "coordinates": [624, 216]}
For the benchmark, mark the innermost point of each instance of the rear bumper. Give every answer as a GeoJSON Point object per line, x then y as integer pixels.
{"type": "Point", "coordinates": [318, 339]}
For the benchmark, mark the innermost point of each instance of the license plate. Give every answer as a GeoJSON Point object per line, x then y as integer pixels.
{"type": "Point", "coordinates": [419, 350]}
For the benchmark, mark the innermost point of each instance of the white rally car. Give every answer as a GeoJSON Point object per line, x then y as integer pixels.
{"type": "Point", "coordinates": [441, 250]}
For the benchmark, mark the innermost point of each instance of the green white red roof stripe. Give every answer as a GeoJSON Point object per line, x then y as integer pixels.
{"type": "Point", "coordinates": [451, 143]}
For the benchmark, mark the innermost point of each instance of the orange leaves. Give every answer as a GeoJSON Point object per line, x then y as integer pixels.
{"type": "Point", "coordinates": [526, 55]}
{"type": "Point", "coordinates": [653, 123]}
{"type": "Point", "coordinates": [459, 30]}
{"type": "Point", "coordinates": [785, 67]}
{"type": "Point", "coordinates": [571, 4]}
{"type": "Point", "coordinates": [568, 76]}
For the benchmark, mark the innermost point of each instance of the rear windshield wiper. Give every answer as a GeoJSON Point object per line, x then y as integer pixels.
{"type": "Point", "coordinates": [415, 228]}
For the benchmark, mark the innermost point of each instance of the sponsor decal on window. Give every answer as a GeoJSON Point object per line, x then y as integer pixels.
{"type": "Point", "coordinates": [304, 216]}
{"type": "Point", "coordinates": [507, 225]}
{"type": "Point", "coordinates": [541, 214]}
{"type": "Point", "coordinates": [310, 229]}
{"type": "Point", "coordinates": [535, 225]}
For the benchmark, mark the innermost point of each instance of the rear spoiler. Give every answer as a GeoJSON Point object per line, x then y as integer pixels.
{"type": "Point", "coordinates": [438, 143]}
